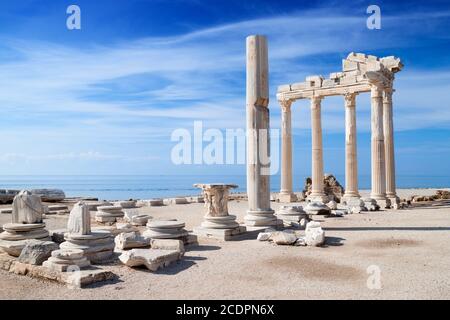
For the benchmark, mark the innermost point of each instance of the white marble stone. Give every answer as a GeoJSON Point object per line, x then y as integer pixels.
{"type": "Point", "coordinates": [153, 259]}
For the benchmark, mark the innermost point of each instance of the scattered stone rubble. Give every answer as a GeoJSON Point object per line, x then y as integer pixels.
{"type": "Point", "coordinates": [314, 236]}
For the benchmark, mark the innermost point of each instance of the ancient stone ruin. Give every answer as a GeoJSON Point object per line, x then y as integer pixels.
{"type": "Point", "coordinates": [26, 223]}
{"type": "Point", "coordinates": [361, 73]}
{"type": "Point", "coordinates": [218, 222]}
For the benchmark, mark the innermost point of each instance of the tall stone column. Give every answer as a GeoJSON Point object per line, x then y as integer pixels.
{"type": "Point", "coordinates": [378, 154]}
{"type": "Point", "coordinates": [286, 192]}
{"type": "Point", "coordinates": [388, 126]}
{"type": "Point", "coordinates": [351, 160]}
{"type": "Point", "coordinates": [317, 190]}
{"type": "Point", "coordinates": [258, 163]}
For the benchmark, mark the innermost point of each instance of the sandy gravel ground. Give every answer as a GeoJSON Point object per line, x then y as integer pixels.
{"type": "Point", "coordinates": [410, 247]}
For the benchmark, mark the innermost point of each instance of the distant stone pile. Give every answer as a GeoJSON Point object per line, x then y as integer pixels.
{"type": "Point", "coordinates": [440, 195]}
{"type": "Point", "coordinates": [332, 188]}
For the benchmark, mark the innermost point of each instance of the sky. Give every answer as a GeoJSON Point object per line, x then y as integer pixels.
{"type": "Point", "coordinates": [106, 99]}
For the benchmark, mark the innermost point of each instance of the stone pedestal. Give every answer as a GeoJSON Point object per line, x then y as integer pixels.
{"type": "Point", "coordinates": [108, 214]}
{"type": "Point", "coordinates": [97, 246]}
{"type": "Point", "coordinates": [15, 236]}
{"type": "Point", "coordinates": [26, 218]}
{"type": "Point", "coordinates": [293, 216]}
{"type": "Point", "coordinates": [218, 223]}
{"type": "Point", "coordinates": [67, 260]}
{"type": "Point", "coordinates": [166, 229]}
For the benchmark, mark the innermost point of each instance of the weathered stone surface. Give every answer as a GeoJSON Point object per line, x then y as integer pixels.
{"type": "Point", "coordinates": [97, 246]}
{"type": "Point", "coordinates": [283, 238]}
{"type": "Point", "coordinates": [153, 259]}
{"type": "Point", "coordinates": [332, 188]}
{"type": "Point", "coordinates": [165, 229]}
{"type": "Point", "coordinates": [18, 231]}
{"type": "Point", "coordinates": [13, 248]}
{"type": "Point", "coordinates": [156, 202]}
{"type": "Point", "coordinates": [131, 240]}
{"type": "Point", "coordinates": [338, 213]}
{"type": "Point", "coordinates": [108, 214]}
{"type": "Point", "coordinates": [74, 280]}
{"type": "Point", "coordinates": [79, 219]}
{"type": "Point", "coordinates": [49, 195]}
{"type": "Point", "coordinates": [27, 208]}
{"type": "Point", "coordinates": [264, 236]}
{"type": "Point", "coordinates": [371, 204]}
{"type": "Point", "coordinates": [168, 244]}
{"type": "Point", "coordinates": [36, 252]}
{"type": "Point", "coordinates": [314, 235]}
{"type": "Point", "coordinates": [292, 215]}
{"type": "Point", "coordinates": [317, 208]}
{"type": "Point", "coordinates": [172, 201]}
{"type": "Point", "coordinates": [332, 205]}
{"type": "Point", "coordinates": [129, 204]}
{"type": "Point", "coordinates": [300, 242]}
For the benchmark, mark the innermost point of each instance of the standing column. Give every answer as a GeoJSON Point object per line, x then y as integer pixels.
{"type": "Point", "coordinates": [317, 192]}
{"type": "Point", "coordinates": [388, 127]}
{"type": "Point", "coordinates": [258, 152]}
{"type": "Point", "coordinates": [378, 162]}
{"type": "Point", "coordinates": [351, 161]}
{"type": "Point", "coordinates": [286, 193]}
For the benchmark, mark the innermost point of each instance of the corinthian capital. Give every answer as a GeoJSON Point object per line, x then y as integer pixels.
{"type": "Point", "coordinates": [285, 105]}
{"type": "Point", "coordinates": [350, 99]}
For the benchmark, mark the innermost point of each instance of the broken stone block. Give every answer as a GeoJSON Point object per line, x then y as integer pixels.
{"type": "Point", "coordinates": [153, 259]}
{"type": "Point", "coordinates": [332, 205]}
{"type": "Point", "coordinates": [264, 236]}
{"type": "Point", "coordinates": [314, 81]}
{"type": "Point", "coordinates": [338, 213]}
{"type": "Point", "coordinates": [317, 208]}
{"type": "Point", "coordinates": [314, 234]}
{"type": "Point", "coordinates": [131, 240]}
{"type": "Point", "coordinates": [58, 235]}
{"type": "Point", "coordinates": [36, 252]}
{"type": "Point", "coordinates": [300, 242]}
{"type": "Point", "coordinates": [168, 244]}
{"type": "Point", "coordinates": [283, 238]}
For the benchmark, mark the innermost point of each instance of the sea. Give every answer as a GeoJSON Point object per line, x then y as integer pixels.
{"type": "Point", "coordinates": [123, 187]}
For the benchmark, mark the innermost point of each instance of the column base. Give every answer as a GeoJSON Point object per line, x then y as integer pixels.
{"type": "Point", "coordinates": [261, 218]}
{"type": "Point", "coordinates": [287, 197]}
{"type": "Point", "coordinates": [318, 198]}
{"type": "Point", "coordinates": [352, 197]}
{"type": "Point", "coordinates": [220, 234]}
{"type": "Point", "coordinates": [381, 200]}
{"type": "Point", "coordinates": [395, 202]}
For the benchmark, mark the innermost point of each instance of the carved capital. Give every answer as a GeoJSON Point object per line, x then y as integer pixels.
{"type": "Point", "coordinates": [285, 105]}
{"type": "Point", "coordinates": [350, 99]}
{"type": "Point", "coordinates": [316, 101]}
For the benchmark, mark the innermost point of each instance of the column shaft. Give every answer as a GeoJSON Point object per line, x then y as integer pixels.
{"type": "Point", "coordinates": [286, 192]}
{"type": "Point", "coordinates": [351, 161]}
{"type": "Point", "coordinates": [258, 151]}
{"type": "Point", "coordinates": [317, 149]}
{"type": "Point", "coordinates": [388, 127]}
{"type": "Point", "coordinates": [378, 160]}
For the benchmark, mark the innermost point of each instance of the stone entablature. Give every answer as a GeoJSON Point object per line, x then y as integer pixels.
{"type": "Point", "coordinates": [360, 73]}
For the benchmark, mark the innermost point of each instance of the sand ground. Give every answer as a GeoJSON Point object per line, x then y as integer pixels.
{"type": "Point", "coordinates": [409, 247]}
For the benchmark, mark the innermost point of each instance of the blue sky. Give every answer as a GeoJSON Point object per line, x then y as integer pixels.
{"type": "Point", "coordinates": [105, 99]}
